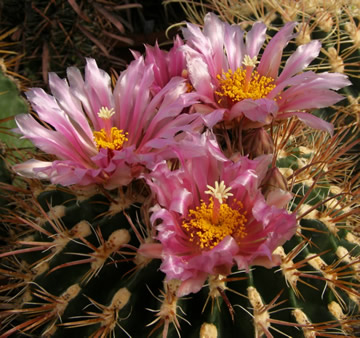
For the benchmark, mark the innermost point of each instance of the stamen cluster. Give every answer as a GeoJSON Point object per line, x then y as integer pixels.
{"type": "Point", "coordinates": [236, 87]}
{"type": "Point", "coordinates": [205, 234]}
{"type": "Point", "coordinates": [113, 140]}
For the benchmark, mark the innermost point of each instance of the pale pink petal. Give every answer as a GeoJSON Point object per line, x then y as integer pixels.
{"type": "Point", "coordinates": [27, 169]}
{"type": "Point", "coordinates": [77, 88]}
{"type": "Point", "coordinates": [255, 39]}
{"type": "Point", "coordinates": [234, 46]}
{"type": "Point", "coordinates": [127, 87]}
{"type": "Point", "coordinates": [196, 40]}
{"type": "Point", "coordinates": [271, 58]}
{"type": "Point", "coordinates": [310, 120]}
{"type": "Point", "coordinates": [199, 75]}
{"type": "Point", "coordinates": [310, 80]}
{"type": "Point", "coordinates": [304, 98]}
{"type": "Point", "coordinates": [192, 285]}
{"type": "Point", "coordinates": [214, 29]}
{"type": "Point", "coordinates": [69, 103]}
{"type": "Point", "coordinates": [174, 98]}
{"type": "Point", "coordinates": [278, 198]}
{"type": "Point", "coordinates": [98, 88]}
{"type": "Point", "coordinates": [261, 110]}
{"type": "Point", "coordinates": [151, 250]}
{"type": "Point", "coordinates": [47, 140]}
{"type": "Point", "coordinates": [300, 59]}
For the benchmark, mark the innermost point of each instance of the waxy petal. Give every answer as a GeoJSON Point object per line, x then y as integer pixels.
{"type": "Point", "coordinates": [311, 120]}
{"type": "Point", "coordinates": [255, 39]}
{"type": "Point", "coordinates": [271, 58]}
{"type": "Point", "coordinates": [255, 110]}
{"type": "Point", "coordinates": [300, 59]}
{"type": "Point", "coordinates": [234, 46]}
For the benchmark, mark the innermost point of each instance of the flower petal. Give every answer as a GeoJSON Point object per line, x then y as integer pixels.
{"type": "Point", "coordinates": [260, 110]}
{"type": "Point", "coordinates": [234, 46]}
{"type": "Point", "coordinates": [311, 120]}
{"type": "Point", "coordinates": [271, 58]}
{"type": "Point", "coordinates": [255, 39]}
{"type": "Point", "coordinates": [300, 59]}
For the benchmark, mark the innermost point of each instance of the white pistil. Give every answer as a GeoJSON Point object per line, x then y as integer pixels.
{"type": "Point", "coordinates": [249, 62]}
{"type": "Point", "coordinates": [105, 113]}
{"type": "Point", "coordinates": [220, 191]}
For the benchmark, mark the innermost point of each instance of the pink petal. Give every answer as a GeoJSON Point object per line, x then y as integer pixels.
{"type": "Point", "coordinates": [192, 285]}
{"type": "Point", "coordinates": [261, 110]}
{"type": "Point", "coordinates": [151, 250]}
{"type": "Point", "coordinates": [255, 39]}
{"type": "Point", "coordinates": [69, 103]}
{"type": "Point", "coordinates": [214, 29]}
{"type": "Point", "coordinates": [306, 98]}
{"type": "Point", "coordinates": [201, 42]}
{"type": "Point", "coordinates": [199, 76]}
{"type": "Point", "coordinates": [97, 88]}
{"type": "Point", "coordinates": [300, 59]}
{"type": "Point", "coordinates": [47, 140]}
{"type": "Point", "coordinates": [127, 87]}
{"type": "Point", "coordinates": [310, 120]}
{"type": "Point", "coordinates": [308, 81]}
{"type": "Point", "coordinates": [271, 58]}
{"type": "Point", "coordinates": [49, 111]}
{"type": "Point", "coordinates": [278, 198]}
{"type": "Point", "coordinates": [234, 46]}
{"type": "Point", "coordinates": [27, 169]}
{"type": "Point", "coordinates": [77, 88]}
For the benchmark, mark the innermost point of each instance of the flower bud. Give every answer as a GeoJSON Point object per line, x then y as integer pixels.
{"type": "Point", "coordinates": [257, 142]}
{"type": "Point", "coordinates": [273, 180]}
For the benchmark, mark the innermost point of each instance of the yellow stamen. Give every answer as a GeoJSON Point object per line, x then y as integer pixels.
{"type": "Point", "coordinates": [109, 137]}
{"type": "Point", "coordinates": [113, 140]}
{"type": "Point", "coordinates": [205, 234]}
{"type": "Point", "coordinates": [244, 84]}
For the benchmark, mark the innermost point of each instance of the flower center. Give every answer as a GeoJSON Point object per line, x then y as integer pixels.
{"type": "Point", "coordinates": [244, 83]}
{"type": "Point", "coordinates": [211, 222]}
{"type": "Point", "coordinates": [113, 140]}
{"type": "Point", "coordinates": [205, 233]}
{"type": "Point", "coordinates": [109, 137]}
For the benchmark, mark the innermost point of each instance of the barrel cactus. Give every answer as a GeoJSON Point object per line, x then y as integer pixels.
{"type": "Point", "coordinates": [203, 195]}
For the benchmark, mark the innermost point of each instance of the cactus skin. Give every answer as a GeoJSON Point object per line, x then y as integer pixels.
{"type": "Point", "coordinates": [60, 264]}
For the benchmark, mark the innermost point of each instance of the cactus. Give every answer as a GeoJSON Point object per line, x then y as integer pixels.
{"type": "Point", "coordinates": [72, 265]}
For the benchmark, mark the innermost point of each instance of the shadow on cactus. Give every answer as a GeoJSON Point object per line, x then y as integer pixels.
{"type": "Point", "coordinates": [194, 198]}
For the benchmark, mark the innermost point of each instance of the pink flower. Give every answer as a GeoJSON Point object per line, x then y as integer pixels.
{"type": "Point", "coordinates": [211, 214]}
{"type": "Point", "coordinates": [230, 76]}
{"type": "Point", "coordinates": [102, 136]}
{"type": "Point", "coordinates": [166, 64]}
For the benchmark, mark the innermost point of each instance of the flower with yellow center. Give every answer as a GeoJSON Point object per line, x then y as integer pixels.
{"type": "Point", "coordinates": [244, 83]}
{"type": "Point", "coordinates": [211, 222]}
{"type": "Point", "coordinates": [109, 137]}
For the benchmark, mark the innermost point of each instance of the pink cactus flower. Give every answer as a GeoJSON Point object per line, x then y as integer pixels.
{"type": "Point", "coordinates": [211, 215]}
{"type": "Point", "coordinates": [102, 136]}
{"type": "Point", "coordinates": [230, 75]}
{"type": "Point", "coordinates": [166, 64]}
